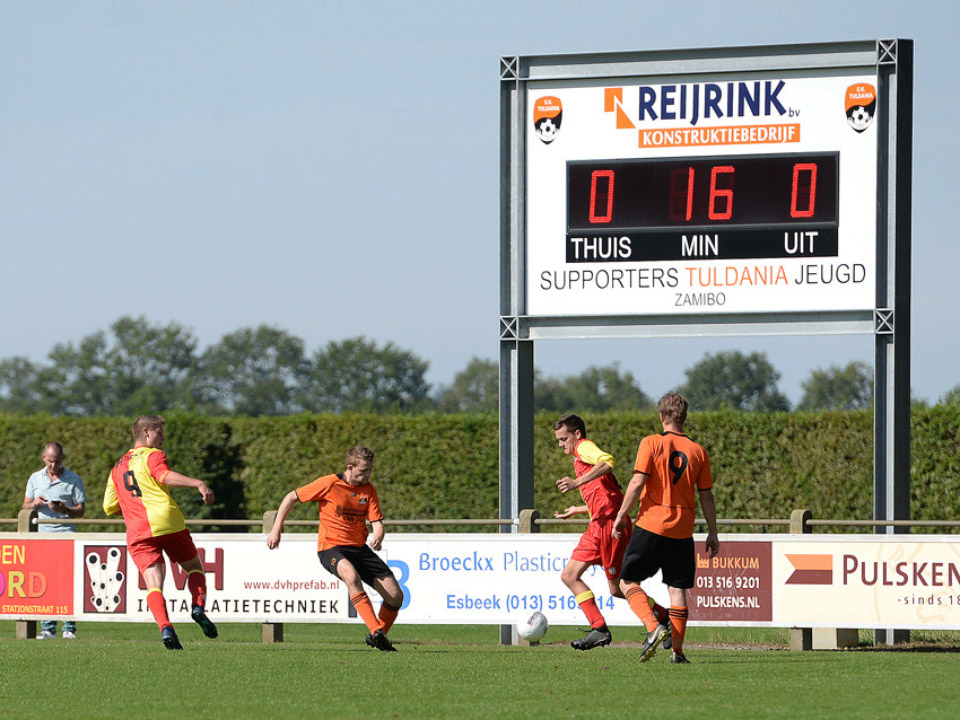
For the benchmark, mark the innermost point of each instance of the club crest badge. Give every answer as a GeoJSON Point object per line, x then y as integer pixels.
{"type": "Point", "coordinates": [547, 115]}
{"type": "Point", "coordinates": [861, 103]}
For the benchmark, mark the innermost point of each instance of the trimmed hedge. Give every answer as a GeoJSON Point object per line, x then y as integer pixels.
{"type": "Point", "coordinates": [446, 466]}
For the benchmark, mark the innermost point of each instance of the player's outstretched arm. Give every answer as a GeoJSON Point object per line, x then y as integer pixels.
{"type": "Point", "coordinates": [571, 511]}
{"type": "Point", "coordinates": [273, 539]}
{"type": "Point", "coordinates": [175, 479]}
{"type": "Point", "coordinates": [376, 540]}
{"type": "Point", "coordinates": [709, 508]}
{"type": "Point", "coordinates": [568, 483]}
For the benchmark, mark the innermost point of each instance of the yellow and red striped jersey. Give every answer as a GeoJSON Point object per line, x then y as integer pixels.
{"type": "Point", "coordinates": [136, 489]}
{"type": "Point", "coordinates": [602, 495]}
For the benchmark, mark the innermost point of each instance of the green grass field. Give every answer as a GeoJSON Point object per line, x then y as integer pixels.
{"type": "Point", "coordinates": [326, 671]}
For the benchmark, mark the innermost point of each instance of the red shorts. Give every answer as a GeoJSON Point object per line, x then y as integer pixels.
{"type": "Point", "coordinates": [596, 547]}
{"type": "Point", "coordinates": [149, 551]}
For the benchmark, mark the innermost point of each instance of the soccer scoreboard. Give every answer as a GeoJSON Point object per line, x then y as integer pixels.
{"type": "Point", "coordinates": [700, 188]}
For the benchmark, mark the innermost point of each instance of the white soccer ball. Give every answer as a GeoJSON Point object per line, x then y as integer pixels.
{"type": "Point", "coordinates": [534, 628]}
{"type": "Point", "coordinates": [859, 118]}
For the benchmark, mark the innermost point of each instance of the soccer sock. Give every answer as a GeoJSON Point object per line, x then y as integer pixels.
{"type": "Point", "coordinates": [158, 607]}
{"type": "Point", "coordinates": [589, 607]}
{"type": "Point", "coordinates": [640, 604]}
{"type": "Point", "coordinates": [678, 626]}
{"type": "Point", "coordinates": [365, 610]}
{"type": "Point", "coordinates": [197, 582]}
{"type": "Point", "coordinates": [660, 612]}
{"type": "Point", "coordinates": [388, 614]}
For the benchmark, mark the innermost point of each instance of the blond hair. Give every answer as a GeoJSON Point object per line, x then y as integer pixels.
{"type": "Point", "coordinates": [144, 423]}
{"type": "Point", "coordinates": [673, 409]}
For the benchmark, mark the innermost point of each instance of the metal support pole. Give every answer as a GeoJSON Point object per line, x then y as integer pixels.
{"type": "Point", "coordinates": [891, 462]}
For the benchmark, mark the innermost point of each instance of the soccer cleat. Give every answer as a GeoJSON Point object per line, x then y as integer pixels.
{"type": "Point", "coordinates": [46, 635]}
{"type": "Point", "coordinates": [170, 639]}
{"type": "Point", "coordinates": [67, 635]}
{"type": "Point", "coordinates": [678, 658]}
{"type": "Point", "coordinates": [201, 619]}
{"type": "Point", "coordinates": [594, 638]}
{"type": "Point", "coordinates": [380, 641]}
{"type": "Point", "coordinates": [654, 638]}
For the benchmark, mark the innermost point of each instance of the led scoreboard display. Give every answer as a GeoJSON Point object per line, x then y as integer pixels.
{"type": "Point", "coordinates": [650, 206]}
{"type": "Point", "coordinates": [699, 191]}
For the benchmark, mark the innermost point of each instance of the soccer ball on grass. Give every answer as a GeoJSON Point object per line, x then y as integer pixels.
{"type": "Point", "coordinates": [534, 628]}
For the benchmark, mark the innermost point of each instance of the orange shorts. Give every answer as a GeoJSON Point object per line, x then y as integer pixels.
{"type": "Point", "coordinates": [596, 547]}
{"type": "Point", "coordinates": [149, 551]}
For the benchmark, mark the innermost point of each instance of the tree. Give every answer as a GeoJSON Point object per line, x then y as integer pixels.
{"type": "Point", "coordinates": [79, 380]}
{"type": "Point", "coordinates": [736, 381]}
{"type": "Point", "coordinates": [951, 397]}
{"type": "Point", "coordinates": [474, 389]}
{"type": "Point", "coordinates": [254, 371]}
{"type": "Point", "coordinates": [18, 385]}
{"type": "Point", "coordinates": [847, 388]}
{"type": "Point", "coordinates": [154, 366]}
{"type": "Point", "coordinates": [138, 368]}
{"type": "Point", "coordinates": [356, 375]}
{"type": "Point", "coordinates": [596, 389]}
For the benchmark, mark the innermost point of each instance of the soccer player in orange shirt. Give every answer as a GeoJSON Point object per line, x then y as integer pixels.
{"type": "Point", "coordinates": [138, 488]}
{"type": "Point", "coordinates": [600, 491]}
{"type": "Point", "coordinates": [670, 472]}
{"type": "Point", "coordinates": [346, 502]}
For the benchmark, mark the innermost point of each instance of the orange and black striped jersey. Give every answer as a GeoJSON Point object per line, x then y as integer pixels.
{"type": "Point", "coordinates": [136, 488]}
{"type": "Point", "coordinates": [344, 510]}
{"type": "Point", "coordinates": [676, 468]}
{"type": "Point", "coordinates": [602, 495]}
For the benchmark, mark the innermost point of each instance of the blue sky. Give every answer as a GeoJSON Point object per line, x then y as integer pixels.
{"type": "Point", "coordinates": [333, 169]}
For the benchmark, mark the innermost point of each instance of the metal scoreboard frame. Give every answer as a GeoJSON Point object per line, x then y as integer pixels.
{"type": "Point", "coordinates": [620, 214]}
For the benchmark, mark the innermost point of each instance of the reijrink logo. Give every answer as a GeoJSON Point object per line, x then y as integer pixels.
{"type": "Point", "coordinates": [547, 115]}
{"type": "Point", "coordinates": [861, 103]}
{"type": "Point", "coordinates": [811, 570]}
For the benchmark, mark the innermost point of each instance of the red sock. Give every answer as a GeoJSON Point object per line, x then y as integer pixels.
{"type": "Point", "coordinates": [678, 626]}
{"type": "Point", "coordinates": [365, 610]}
{"type": "Point", "coordinates": [640, 604]}
{"type": "Point", "coordinates": [158, 607]}
{"type": "Point", "coordinates": [589, 607]}
{"type": "Point", "coordinates": [197, 582]}
{"type": "Point", "coordinates": [388, 614]}
{"type": "Point", "coordinates": [660, 612]}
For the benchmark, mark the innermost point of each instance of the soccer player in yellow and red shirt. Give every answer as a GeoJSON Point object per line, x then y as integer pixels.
{"type": "Point", "coordinates": [138, 488]}
{"type": "Point", "coordinates": [347, 501]}
{"type": "Point", "coordinates": [670, 473]}
{"type": "Point", "coordinates": [600, 491]}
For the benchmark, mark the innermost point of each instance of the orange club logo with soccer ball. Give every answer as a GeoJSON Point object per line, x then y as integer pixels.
{"type": "Point", "coordinates": [861, 103]}
{"type": "Point", "coordinates": [547, 115]}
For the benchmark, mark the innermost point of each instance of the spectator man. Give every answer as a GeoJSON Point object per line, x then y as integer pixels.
{"type": "Point", "coordinates": [56, 494]}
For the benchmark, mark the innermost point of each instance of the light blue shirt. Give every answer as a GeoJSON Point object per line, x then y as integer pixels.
{"type": "Point", "coordinates": [68, 489]}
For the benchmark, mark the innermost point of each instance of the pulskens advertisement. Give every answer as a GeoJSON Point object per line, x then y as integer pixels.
{"type": "Point", "coordinates": [736, 193]}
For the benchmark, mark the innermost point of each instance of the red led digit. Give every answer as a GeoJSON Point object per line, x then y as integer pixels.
{"type": "Point", "coordinates": [681, 198]}
{"type": "Point", "coordinates": [726, 194]}
{"type": "Point", "coordinates": [812, 191]}
{"type": "Point", "coordinates": [608, 215]}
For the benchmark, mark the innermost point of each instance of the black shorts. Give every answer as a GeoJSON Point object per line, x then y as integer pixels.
{"type": "Point", "coordinates": [648, 552]}
{"type": "Point", "coordinates": [365, 561]}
